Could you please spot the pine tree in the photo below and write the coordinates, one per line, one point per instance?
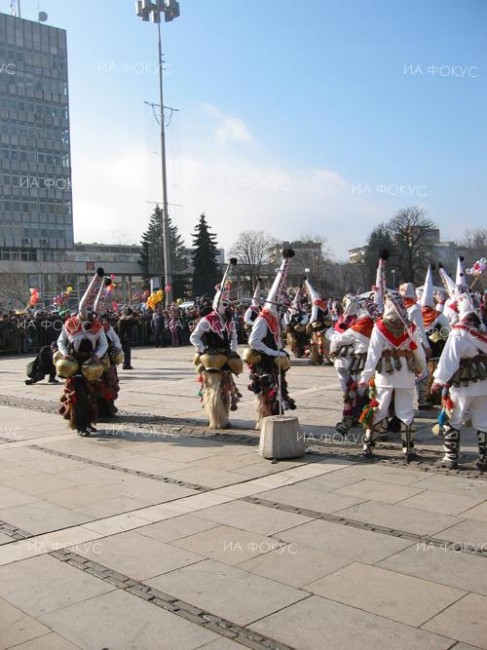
(206, 272)
(152, 255)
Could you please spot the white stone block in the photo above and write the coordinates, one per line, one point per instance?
(280, 437)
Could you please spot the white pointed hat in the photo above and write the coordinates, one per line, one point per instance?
(427, 298)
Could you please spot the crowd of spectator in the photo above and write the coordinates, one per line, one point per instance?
(29, 331)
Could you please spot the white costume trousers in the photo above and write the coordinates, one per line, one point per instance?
(403, 404)
(469, 403)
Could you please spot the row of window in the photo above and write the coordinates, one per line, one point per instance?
(32, 230)
(42, 207)
(23, 255)
(30, 82)
(20, 129)
(40, 156)
(38, 108)
(35, 35)
(23, 58)
(38, 182)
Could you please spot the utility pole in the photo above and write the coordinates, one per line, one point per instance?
(147, 10)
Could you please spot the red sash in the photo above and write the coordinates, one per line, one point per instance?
(396, 340)
(408, 302)
(74, 326)
(271, 321)
(472, 331)
(363, 326)
(216, 326)
(429, 315)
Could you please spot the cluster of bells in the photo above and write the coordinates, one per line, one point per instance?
(91, 371)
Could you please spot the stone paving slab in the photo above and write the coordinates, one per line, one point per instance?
(16, 627)
(317, 623)
(138, 556)
(401, 518)
(177, 528)
(446, 504)
(379, 491)
(119, 620)
(42, 584)
(345, 541)
(252, 517)
(47, 642)
(469, 532)
(465, 620)
(398, 597)
(442, 565)
(42, 517)
(227, 591)
(294, 565)
(228, 544)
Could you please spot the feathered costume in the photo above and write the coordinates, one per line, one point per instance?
(265, 357)
(215, 339)
(81, 345)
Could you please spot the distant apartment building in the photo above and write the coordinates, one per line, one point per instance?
(36, 214)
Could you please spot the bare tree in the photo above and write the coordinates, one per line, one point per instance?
(252, 250)
(14, 289)
(413, 236)
(475, 239)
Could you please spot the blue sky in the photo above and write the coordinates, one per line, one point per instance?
(312, 119)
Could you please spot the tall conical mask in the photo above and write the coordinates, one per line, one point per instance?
(256, 297)
(318, 305)
(222, 295)
(447, 282)
(88, 299)
(427, 298)
(273, 298)
(461, 285)
(380, 280)
(99, 304)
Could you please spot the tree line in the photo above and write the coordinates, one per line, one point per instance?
(409, 236)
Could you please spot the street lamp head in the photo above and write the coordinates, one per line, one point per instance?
(147, 10)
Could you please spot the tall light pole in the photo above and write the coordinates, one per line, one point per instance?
(147, 10)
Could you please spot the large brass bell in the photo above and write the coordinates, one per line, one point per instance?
(283, 363)
(92, 371)
(65, 368)
(235, 364)
(213, 362)
(251, 356)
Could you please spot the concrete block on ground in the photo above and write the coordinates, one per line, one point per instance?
(280, 437)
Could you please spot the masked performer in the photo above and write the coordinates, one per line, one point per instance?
(267, 361)
(341, 351)
(253, 311)
(356, 337)
(437, 329)
(108, 386)
(394, 359)
(320, 320)
(463, 369)
(215, 340)
(297, 319)
(81, 345)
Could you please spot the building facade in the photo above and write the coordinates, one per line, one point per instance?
(36, 215)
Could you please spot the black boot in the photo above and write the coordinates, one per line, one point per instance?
(451, 447)
(482, 459)
(369, 443)
(408, 444)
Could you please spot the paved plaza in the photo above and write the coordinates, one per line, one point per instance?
(156, 532)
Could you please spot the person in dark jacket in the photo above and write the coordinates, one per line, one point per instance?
(42, 365)
(125, 324)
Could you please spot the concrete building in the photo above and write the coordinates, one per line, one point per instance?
(36, 214)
